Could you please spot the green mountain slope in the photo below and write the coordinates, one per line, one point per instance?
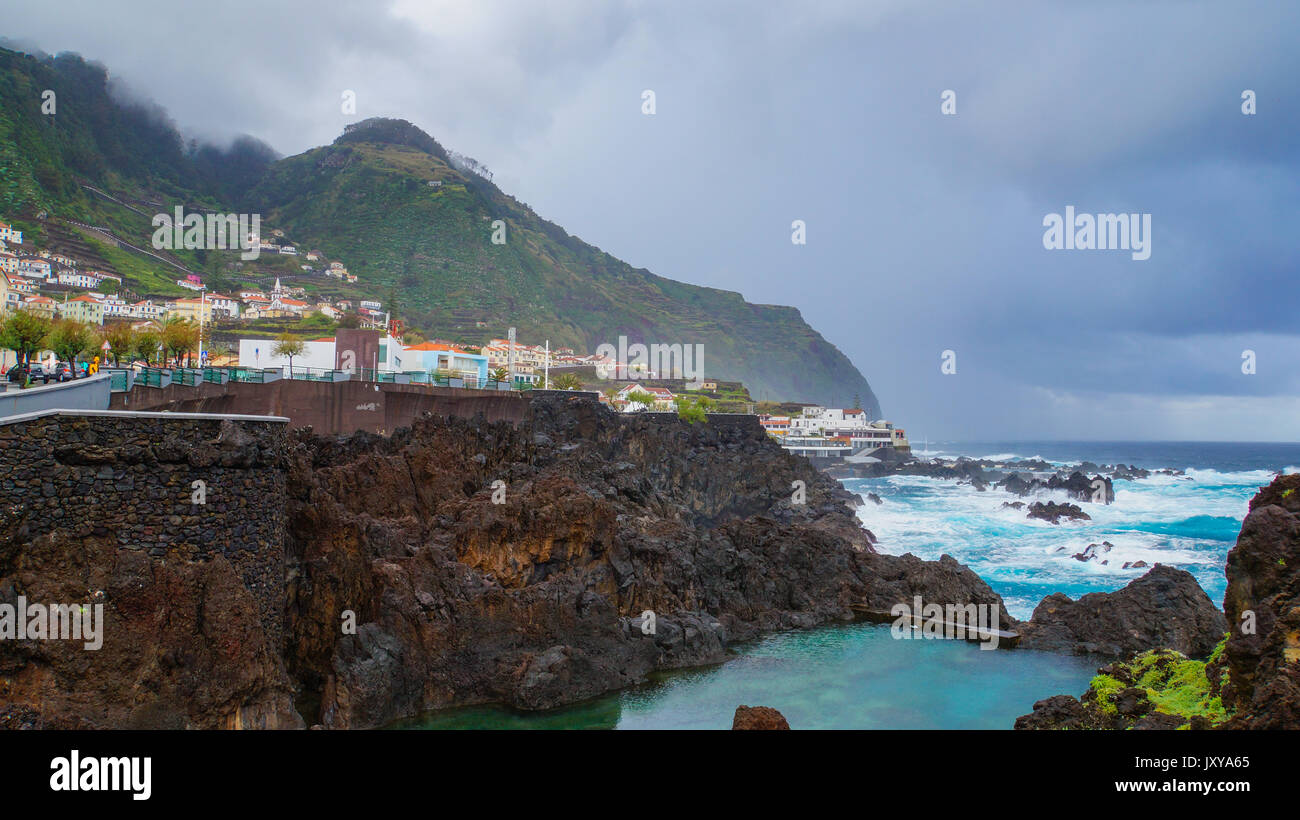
(425, 250)
(367, 199)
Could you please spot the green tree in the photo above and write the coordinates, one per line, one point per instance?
(288, 345)
(640, 396)
(566, 381)
(693, 409)
(120, 338)
(70, 338)
(180, 337)
(691, 412)
(24, 332)
(145, 344)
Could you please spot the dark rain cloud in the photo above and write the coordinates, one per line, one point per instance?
(924, 231)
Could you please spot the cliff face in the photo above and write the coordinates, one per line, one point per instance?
(1262, 604)
(537, 601)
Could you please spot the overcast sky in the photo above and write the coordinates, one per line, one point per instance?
(924, 230)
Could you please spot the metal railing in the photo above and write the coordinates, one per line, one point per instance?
(254, 375)
(155, 377)
(319, 374)
(124, 379)
(121, 379)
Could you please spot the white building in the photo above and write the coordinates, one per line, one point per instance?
(35, 267)
(817, 420)
(114, 306)
(317, 354)
(78, 280)
(147, 310)
(224, 305)
(834, 431)
(662, 399)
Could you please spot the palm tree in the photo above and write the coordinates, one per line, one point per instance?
(566, 381)
(219, 350)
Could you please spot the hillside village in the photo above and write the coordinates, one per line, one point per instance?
(57, 283)
(59, 286)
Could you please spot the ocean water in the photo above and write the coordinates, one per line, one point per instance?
(1186, 521)
(859, 677)
(844, 677)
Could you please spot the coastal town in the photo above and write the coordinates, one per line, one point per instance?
(63, 289)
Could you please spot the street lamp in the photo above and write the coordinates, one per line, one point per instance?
(203, 303)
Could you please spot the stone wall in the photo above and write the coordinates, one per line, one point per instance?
(135, 479)
(327, 407)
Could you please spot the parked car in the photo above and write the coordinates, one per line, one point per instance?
(63, 372)
(38, 373)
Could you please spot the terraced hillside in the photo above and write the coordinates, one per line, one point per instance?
(412, 220)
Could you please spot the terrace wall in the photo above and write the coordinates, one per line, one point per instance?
(328, 408)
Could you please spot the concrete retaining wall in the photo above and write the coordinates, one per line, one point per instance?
(328, 407)
(79, 394)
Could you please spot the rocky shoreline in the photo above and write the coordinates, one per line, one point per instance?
(1250, 678)
(455, 562)
(462, 562)
(537, 602)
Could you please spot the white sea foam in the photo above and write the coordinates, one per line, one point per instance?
(1008, 457)
(1188, 522)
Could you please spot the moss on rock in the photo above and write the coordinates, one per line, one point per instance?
(1157, 689)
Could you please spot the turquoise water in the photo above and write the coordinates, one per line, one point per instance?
(842, 677)
(859, 677)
